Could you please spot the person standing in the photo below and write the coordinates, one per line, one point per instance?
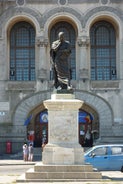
(25, 152)
(30, 149)
(59, 53)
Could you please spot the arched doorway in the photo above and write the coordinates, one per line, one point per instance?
(70, 35)
(96, 105)
(88, 125)
(41, 129)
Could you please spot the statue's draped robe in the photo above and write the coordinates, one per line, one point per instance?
(60, 52)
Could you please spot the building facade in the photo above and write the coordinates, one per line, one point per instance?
(95, 31)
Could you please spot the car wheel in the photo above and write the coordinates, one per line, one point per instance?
(122, 169)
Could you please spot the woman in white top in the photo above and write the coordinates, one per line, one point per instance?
(25, 152)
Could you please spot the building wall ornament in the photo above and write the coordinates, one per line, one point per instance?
(41, 41)
(20, 2)
(22, 10)
(41, 19)
(62, 2)
(61, 9)
(83, 41)
(104, 2)
(83, 74)
(42, 74)
(82, 18)
(108, 9)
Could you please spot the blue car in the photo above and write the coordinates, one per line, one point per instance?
(105, 157)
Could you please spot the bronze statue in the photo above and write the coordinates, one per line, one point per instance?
(60, 52)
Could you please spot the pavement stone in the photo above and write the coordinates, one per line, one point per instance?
(110, 177)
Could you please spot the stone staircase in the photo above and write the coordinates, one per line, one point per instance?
(60, 173)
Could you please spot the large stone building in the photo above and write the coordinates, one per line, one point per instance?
(95, 31)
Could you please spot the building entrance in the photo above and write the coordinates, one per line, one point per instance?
(85, 129)
(41, 129)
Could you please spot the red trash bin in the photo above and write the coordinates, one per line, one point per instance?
(9, 147)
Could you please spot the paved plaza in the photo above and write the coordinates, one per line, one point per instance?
(11, 169)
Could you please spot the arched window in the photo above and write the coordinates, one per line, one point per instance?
(22, 52)
(70, 36)
(103, 51)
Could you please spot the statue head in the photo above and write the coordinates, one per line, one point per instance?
(61, 36)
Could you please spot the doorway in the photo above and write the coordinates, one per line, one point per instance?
(41, 129)
(85, 129)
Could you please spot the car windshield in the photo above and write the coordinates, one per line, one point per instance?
(98, 150)
(88, 150)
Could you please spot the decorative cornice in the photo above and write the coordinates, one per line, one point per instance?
(82, 18)
(20, 86)
(105, 85)
(82, 1)
(56, 1)
(41, 19)
(42, 1)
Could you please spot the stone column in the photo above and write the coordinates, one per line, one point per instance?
(42, 43)
(120, 65)
(63, 146)
(83, 43)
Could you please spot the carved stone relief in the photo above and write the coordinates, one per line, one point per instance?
(20, 2)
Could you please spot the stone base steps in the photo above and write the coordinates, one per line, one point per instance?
(60, 173)
(39, 167)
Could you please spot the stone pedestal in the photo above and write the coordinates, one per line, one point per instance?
(62, 159)
(63, 147)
